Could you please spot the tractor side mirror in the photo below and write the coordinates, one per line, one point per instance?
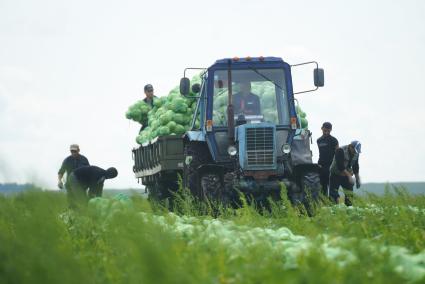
(184, 86)
(319, 77)
(196, 88)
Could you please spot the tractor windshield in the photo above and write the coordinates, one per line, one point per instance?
(259, 95)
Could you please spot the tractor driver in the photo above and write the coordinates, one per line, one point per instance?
(246, 102)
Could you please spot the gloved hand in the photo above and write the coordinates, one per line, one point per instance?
(60, 184)
(358, 183)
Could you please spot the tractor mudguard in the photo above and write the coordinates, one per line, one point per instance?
(194, 136)
(212, 168)
(303, 168)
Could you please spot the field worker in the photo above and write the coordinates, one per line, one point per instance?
(149, 94)
(327, 145)
(148, 89)
(87, 182)
(246, 102)
(344, 165)
(72, 162)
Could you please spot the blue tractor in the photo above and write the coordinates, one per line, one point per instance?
(246, 135)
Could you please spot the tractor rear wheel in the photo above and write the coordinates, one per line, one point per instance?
(211, 187)
(203, 184)
(196, 154)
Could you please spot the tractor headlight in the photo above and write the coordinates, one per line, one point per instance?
(286, 148)
(232, 150)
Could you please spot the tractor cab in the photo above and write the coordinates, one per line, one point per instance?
(258, 95)
(247, 115)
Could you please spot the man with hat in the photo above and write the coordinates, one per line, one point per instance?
(327, 145)
(344, 165)
(148, 100)
(72, 162)
(149, 94)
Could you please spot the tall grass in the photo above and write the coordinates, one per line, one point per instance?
(42, 241)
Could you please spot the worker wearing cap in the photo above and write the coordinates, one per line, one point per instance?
(87, 182)
(327, 145)
(148, 89)
(72, 162)
(149, 94)
(344, 165)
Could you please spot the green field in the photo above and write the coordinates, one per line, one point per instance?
(128, 240)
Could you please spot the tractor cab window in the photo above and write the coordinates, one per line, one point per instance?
(257, 96)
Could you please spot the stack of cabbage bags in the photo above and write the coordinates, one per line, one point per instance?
(170, 115)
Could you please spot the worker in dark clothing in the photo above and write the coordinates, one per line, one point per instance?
(148, 89)
(72, 162)
(245, 102)
(344, 165)
(327, 145)
(87, 182)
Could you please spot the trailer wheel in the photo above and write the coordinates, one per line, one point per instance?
(153, 194)
(162, 187)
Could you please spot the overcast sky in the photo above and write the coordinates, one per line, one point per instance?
(70, 69)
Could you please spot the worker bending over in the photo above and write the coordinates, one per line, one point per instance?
(344, 165)
(87, 182)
